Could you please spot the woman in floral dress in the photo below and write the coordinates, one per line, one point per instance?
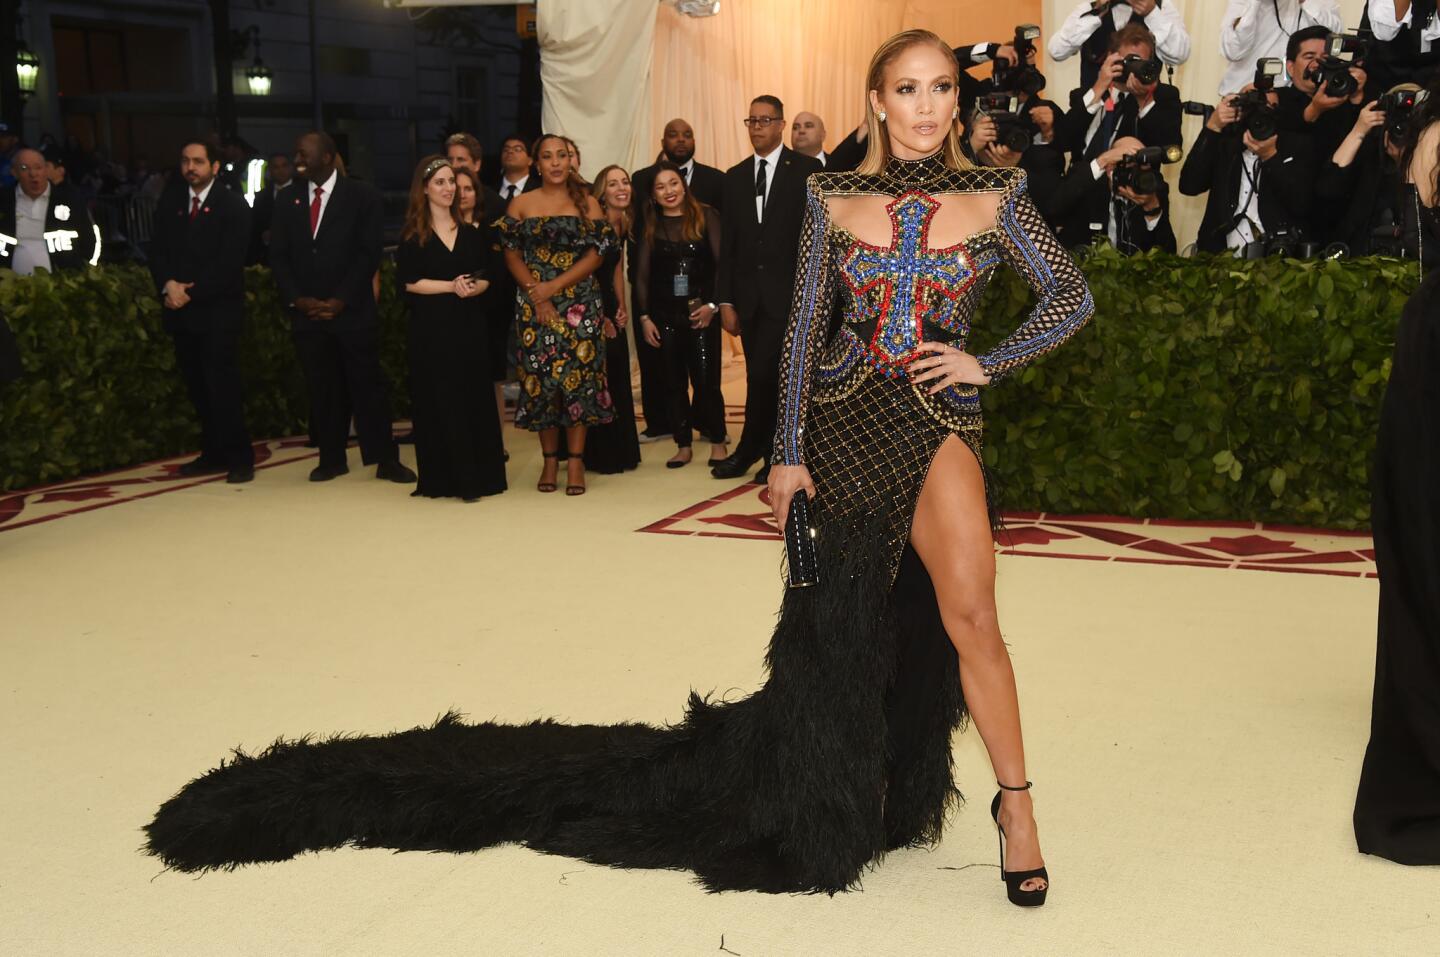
(555, 238)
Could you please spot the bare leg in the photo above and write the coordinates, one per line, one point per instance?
(951, 534)
(549, 445)
(575, 465)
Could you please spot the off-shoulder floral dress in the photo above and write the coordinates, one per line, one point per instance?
(562, 364)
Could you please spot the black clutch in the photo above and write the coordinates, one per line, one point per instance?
(802, 567)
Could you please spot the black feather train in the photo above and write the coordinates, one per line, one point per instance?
(843, 754)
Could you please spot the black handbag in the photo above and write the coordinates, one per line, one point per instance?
(802, 569)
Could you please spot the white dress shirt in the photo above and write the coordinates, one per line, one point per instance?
(823, 157)
(771, 160)
(1172, 43)
(1386, 26)
(1248, 229)
(1251, 32)
(506, 183)
(329, 190)
(204, 194)
(32, 252)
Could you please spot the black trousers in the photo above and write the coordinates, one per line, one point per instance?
(691, 359)
(653, 389)
(209, 363)
(762, 335)
(342, 371)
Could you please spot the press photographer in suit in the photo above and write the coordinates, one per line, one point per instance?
(760, 236)
(198, 263)
(325, 249)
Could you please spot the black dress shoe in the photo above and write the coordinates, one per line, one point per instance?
(241, 474)
(734, 465)
(395, 472)
(324, 473)
(762, 477)
(200, 467)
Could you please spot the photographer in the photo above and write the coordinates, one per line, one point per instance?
(1126, 99)
(1325, 92)
(1091, 25)
(1406, 32)
(1003, 131)
(1118, 194)
(1254, 29)
(1258, 174)
(1364, 178)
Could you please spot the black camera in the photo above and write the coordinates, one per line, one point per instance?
(1023, 77)
(1399, 107)
(1013, 130)
(1331, 72)
(1255, 114)
(1141, 170)
(1144, 69)
(1286, 241)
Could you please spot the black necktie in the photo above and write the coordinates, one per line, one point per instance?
(510, 192)
(685, 174)
(760, 183)
(1101, 142)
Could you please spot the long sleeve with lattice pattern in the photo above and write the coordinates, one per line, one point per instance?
(1064, 302)
(809, 325)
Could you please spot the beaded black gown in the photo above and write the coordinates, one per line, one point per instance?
(845, 752)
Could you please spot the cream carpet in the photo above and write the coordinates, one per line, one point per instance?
(1195, 734)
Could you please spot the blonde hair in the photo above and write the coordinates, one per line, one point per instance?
(597, 189)
(878, 152)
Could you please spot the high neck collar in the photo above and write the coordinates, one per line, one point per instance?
(923, 170)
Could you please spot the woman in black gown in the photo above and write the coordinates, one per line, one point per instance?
(614, 446)
(845, 752)
(677, 257)
(443, 266)
(1397, 809)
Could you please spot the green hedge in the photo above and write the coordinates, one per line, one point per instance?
(1206, 388)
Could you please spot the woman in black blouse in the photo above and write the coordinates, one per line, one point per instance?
(614, 447)
(676, 263)
(443, 267)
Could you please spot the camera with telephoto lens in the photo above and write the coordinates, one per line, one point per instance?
(1399, 105)
(1141, 170)
(1331, 72)
(1013, 130)
(1144, 69)
(1022, 77)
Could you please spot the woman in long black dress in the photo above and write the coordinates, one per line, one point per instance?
(678, 255)
(1397, 809)
(442, 266)
(845, 753)
(614, 446)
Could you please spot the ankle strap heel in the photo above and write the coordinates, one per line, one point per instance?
(1014, 879)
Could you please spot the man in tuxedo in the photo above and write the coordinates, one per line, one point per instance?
(1092, 23)
(1256, 187)
(279, 173)
(707, 183)
(807, 137)
(198, 263)
(516, 169)
(325, 247)
(759, 239)
(1116, 107)
(44, 225)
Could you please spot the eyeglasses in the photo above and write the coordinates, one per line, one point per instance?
(761, 121)
(513, 148)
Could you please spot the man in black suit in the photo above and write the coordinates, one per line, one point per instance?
(279, 173)
(708, 185)
(516, 168)
(463, 151)
(1119, 106)
(325, 247)
(1256, 187)
(44, 225)
(759, 238)
(198, 263)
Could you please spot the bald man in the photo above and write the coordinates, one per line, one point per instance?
(807, 136)
(708, 184)
(43, 226)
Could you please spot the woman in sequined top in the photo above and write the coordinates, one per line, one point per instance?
(883, 417)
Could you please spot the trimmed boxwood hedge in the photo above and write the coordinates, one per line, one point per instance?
(1206, 388)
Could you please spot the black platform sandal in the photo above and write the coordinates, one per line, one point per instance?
(1013, 880)
(547, 486)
